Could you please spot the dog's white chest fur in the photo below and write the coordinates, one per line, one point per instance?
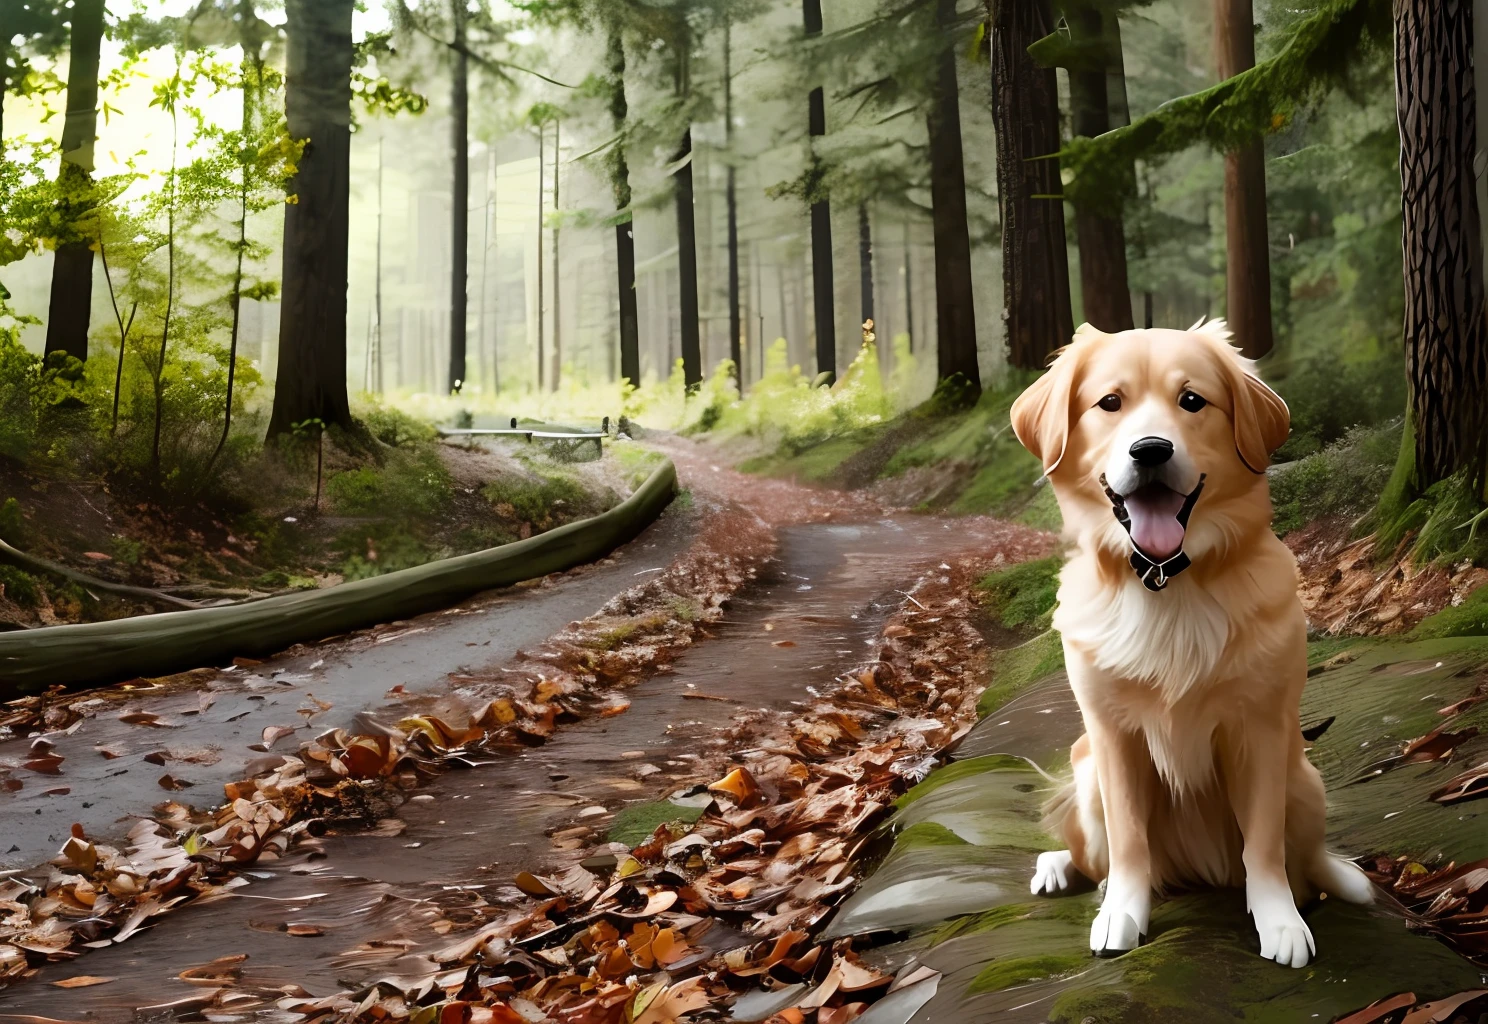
(1172, 640)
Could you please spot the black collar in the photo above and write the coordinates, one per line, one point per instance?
(1154, 574)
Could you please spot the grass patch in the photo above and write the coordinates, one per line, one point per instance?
(1018, 667)
(539, 500)
(412, 483)
(1001, 974)
(1022, 594)
(633, 825)
(959, 770)
(20, 587)
(927, 833)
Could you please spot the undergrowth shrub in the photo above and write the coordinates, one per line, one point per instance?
(1344, 478)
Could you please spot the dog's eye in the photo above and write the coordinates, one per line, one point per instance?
(1111, 403)
(1191, 402)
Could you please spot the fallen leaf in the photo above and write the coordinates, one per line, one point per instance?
(1440, 1010)
(51, 764)
(1471, 783)
(739, 785)
(1436, 745)
(168, 781)
(82, 981)
(1380, 1009)
(141, 718)
(304, 930)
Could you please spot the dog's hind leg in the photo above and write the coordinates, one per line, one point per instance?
(1074, 815)
(1316, 869)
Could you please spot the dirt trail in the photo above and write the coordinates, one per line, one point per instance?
(843, 565)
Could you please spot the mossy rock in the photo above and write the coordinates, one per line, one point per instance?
(964, 901)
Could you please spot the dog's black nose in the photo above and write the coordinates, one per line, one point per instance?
(1151, 451)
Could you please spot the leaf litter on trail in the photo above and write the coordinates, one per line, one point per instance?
(687, 919)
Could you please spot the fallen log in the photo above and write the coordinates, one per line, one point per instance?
(152, 645)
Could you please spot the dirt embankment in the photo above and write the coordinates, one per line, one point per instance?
(410, 505)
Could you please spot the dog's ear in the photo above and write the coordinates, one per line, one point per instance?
(1262, 420)
(1041, 414)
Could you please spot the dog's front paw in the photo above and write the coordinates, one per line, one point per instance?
(1284, 936)
(1051, 873)
(1113, 932)
(1122, 920)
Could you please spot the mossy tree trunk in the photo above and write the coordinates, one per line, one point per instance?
(955, 320)
(72, 269)
(1247, 245)
(1446, 339)
(1025, 112)
(311, 382)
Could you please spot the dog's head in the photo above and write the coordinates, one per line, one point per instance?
(1149, 414)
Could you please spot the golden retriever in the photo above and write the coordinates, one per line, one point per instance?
(1183, 636)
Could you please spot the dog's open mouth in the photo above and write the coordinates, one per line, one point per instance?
(1157, 526)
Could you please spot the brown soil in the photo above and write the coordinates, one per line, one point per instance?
(1346, 589)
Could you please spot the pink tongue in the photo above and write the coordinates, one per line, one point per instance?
(1154, 521)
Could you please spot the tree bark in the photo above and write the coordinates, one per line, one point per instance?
(687, 304)
(1104, 288)
(1025, 113)
(955, 320)
(540, 323)
(1247, 243)
(731, 202)
(908, 271)
(822, 295)
(459, 200)
(72, 269)
(630, 326)
(865, 261)
(311, 382)
(557, 268)
(1446, 343)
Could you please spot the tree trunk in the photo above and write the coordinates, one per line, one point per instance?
(311, 382)
(692, 348)
(865, 261)
(822, 296)
(557, 268)
(540, 323)
(1446, 343)
(1104, 288)
(1025, 113)
(731, 202)
(72, 269)
(1247, 244)
(630, 325)
(459, 200)
(908, 271)
(955, 320)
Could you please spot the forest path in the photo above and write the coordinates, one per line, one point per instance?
(841, 568)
